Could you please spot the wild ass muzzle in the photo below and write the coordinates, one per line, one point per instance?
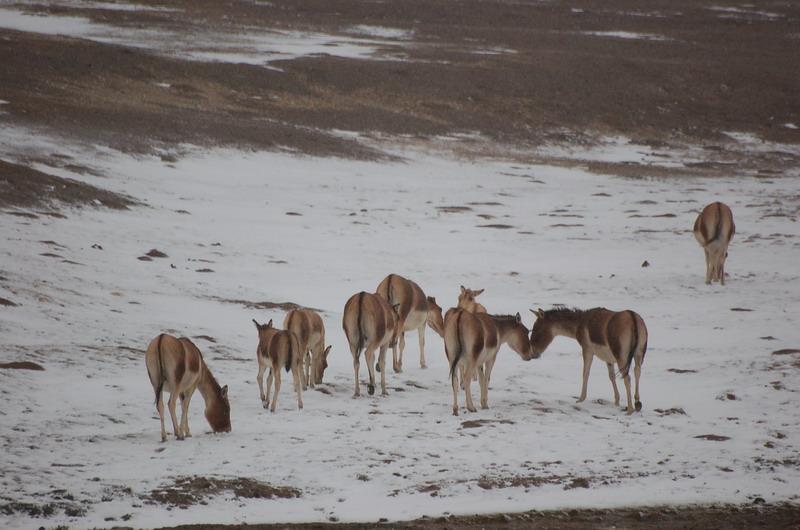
(415, 311)
(616, 338)
(310, 331)
(714, 230)
(466, 300)
(177, 366)
(370, 324)
(472, 341)
(278, 348)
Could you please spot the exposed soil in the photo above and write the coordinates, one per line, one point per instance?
(514, 74)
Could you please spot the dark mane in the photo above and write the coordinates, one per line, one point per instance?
(505, 317)
(564, 311)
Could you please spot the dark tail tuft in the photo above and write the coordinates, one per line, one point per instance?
(634, 343)
(459, 347)
(160, 386)
(291, 353)
(360, 342)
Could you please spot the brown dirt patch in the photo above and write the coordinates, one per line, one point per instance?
(21, 365)
(188, 491)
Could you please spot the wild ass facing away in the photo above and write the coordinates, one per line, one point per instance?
(472, 341)
(310, 331)
(714, 230)
(278, 348)
(177, 366)
(617, 338)
(370, 324)
(415, 311)
(466, 300)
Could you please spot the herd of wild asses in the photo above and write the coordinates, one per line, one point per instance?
(377, 321)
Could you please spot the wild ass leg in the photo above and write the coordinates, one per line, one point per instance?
(297, 375)
(421, 332)
(356, 366)
(369, 357)
(709, 265)
(173, 398)
(160, 408)
(270, 377)
(611, 376)
(276, 373)
(382, 363)
(305, 371)
(627, 380)
(483, 387)
(397, 353)
(470, 372)
(260, 379)
(587, 367)
(186, 398)
(637, 371)
(488, 377)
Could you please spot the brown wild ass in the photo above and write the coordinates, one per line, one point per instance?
(370, 324)
(177, 366)
(617, 338)
(472, 340)
(466, 300)
(714, 230)
(310, 331)
(415, 311)
(278, 348)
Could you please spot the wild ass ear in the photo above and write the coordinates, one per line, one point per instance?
(463, 290)
(327, 351)
(225, 392)
(269, 324)
(256, 323)
(518, 318)
(396, 308)
(476, 293)
(539, 313)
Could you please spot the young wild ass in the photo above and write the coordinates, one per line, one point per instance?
(472, 340)
(177, 366)
(310, 331)
(714, 230)
(617, 338)
(370, 324)
(278, 348)
(466, 300)
(415, 311)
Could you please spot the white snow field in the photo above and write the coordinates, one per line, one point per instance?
(719, 422)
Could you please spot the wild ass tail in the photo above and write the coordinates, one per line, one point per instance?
(160, 375)
(459, 347)
(291, 352)
(634, 343)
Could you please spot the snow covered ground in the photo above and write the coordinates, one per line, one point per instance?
(719, 422)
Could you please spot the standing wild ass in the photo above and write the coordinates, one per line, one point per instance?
(714, 230)
(472, 340)
(614, 337)
(466, 300)
(310, 331)
(177, 366)
(278, 348)
(370, 324)
(415, 311)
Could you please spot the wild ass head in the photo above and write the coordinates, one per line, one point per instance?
(321, 365)
(542, 333)
(434, 318)
(218, 410)
(517, 339)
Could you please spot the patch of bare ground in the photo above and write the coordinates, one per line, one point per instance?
(24, 187)
(282, 306)
(757, 515)
(185, 492)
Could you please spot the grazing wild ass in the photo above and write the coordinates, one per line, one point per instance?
(617, 338)
(415, 311)
(278, 348)
(370, 324)
(310, 331)
(472, 340)
(466, 300)
(177, 366)
(714, 230)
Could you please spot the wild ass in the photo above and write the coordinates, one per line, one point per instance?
(617, 338)
(370, 324)
(278, 348)
(714, 230)
(472, 341)
(177, 366)
(310, 331)
(415, 311)
(466, 300)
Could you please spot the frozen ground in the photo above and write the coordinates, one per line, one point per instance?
(81, 441)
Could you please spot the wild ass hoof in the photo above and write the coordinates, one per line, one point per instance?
(371, 389)
(455, 412)
(265, 404)
(300, 406)
(472, 409)
(638, 406)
